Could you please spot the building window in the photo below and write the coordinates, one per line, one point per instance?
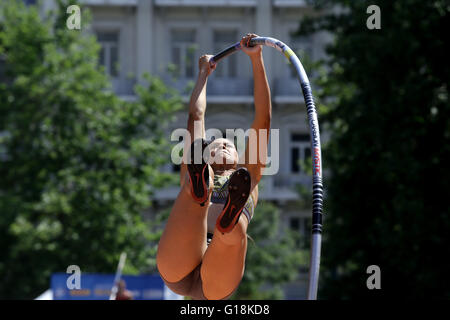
(294, 223)
(302, 227)
(300, 151)
(223, 39)
(30, 2)
(300, 224)
(303, 48)
(109, 52)
(183, 50)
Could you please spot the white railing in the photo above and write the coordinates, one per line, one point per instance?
(216, 86)
(123, 86)
(109, 2)
(289, 3)
(208, 3)
(286, 86)
(277, 187)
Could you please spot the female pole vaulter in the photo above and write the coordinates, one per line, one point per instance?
(213, 196)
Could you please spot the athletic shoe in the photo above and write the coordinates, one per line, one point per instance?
(238, 192)
(199, 174)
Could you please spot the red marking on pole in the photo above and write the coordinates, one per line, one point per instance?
(317, 161)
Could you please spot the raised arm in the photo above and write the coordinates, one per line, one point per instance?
(197, 107)
(263, 113)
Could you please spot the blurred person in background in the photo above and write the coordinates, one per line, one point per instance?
(122, 292)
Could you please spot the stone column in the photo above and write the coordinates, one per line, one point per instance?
(264, 28)
(144, 38)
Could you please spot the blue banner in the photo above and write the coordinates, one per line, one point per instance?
(98, 287)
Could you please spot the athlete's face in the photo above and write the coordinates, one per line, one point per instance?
(223, 151)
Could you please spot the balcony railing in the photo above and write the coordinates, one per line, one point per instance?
(289, 3)
(226, 90)
(286, 86)
(231, 86)
(109, 2)
(216, 86)
(207, 3)
(123, 86)
(278, 187)
(291, 181)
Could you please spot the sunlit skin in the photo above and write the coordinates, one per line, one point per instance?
(223, 156)
(183, 245)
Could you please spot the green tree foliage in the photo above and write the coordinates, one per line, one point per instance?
(77, 164)
(273, 257)
(385, 102)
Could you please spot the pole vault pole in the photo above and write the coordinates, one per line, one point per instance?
(317, 200)
(123, 257)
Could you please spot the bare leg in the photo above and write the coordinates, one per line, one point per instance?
(224, 261)
(183, 242)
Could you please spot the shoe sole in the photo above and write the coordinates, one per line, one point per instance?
(198, 175)
(238, 193)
